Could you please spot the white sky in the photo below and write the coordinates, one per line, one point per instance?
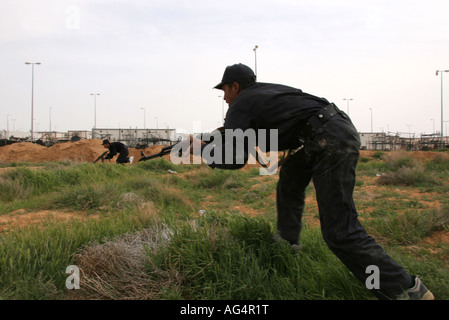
(166, 55)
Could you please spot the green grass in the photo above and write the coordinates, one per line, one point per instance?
(411, 226)
(221, 253)
(234, 257)
(403, 169)
(33, 261)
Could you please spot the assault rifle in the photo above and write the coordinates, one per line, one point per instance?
(163, 152)
(167, 150)
(101, 157)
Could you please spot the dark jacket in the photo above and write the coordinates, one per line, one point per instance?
(117, 147)
(270, 106)
(273, 106)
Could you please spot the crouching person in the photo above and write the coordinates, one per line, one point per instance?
(120, 148)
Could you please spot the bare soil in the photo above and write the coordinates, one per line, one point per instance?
(20, 218)
(79, 151)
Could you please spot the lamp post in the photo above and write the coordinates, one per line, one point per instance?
(446, 129)
(95, 112)
(348, 103)
(32, 97)
(255, 59)
(371, 109)
(49, 119)
(438, 72)
(7, 127)
(433, 120)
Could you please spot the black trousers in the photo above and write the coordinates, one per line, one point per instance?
(123, 156)
(330, 159)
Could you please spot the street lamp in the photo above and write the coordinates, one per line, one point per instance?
(348, 103)
(95, 112)
(49, 118)
(32, 96)
(437, 72)
(7, 127)
(371, 109)
(255, 59)
(446, 129)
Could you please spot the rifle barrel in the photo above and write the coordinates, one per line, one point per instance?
(163, 152)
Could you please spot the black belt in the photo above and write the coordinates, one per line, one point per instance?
(314, 123)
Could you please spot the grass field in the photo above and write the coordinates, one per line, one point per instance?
(155, 230)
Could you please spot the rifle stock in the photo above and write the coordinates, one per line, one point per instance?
(101, 157)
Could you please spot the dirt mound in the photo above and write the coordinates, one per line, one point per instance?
(79, 151)
(89, 150)
(23, 151)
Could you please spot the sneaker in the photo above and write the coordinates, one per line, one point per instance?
(418, 292)
(131, 159)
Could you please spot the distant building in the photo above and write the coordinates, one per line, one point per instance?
(367, 138)
(401, 141)
(139, 138)
(136, 137)
(13, 133)
(49, 138)
(79, 134)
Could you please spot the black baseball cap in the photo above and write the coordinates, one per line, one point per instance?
(240, 73)
(105, 141)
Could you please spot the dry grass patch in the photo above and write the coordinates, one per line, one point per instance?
(118, 269)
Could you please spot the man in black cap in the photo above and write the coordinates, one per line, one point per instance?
(325, 147)
(117, 147)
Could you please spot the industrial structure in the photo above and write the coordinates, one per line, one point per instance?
(134, 138)
(402, 141)
(137, 138)
(141, 138)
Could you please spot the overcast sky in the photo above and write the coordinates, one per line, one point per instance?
(166, 55)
